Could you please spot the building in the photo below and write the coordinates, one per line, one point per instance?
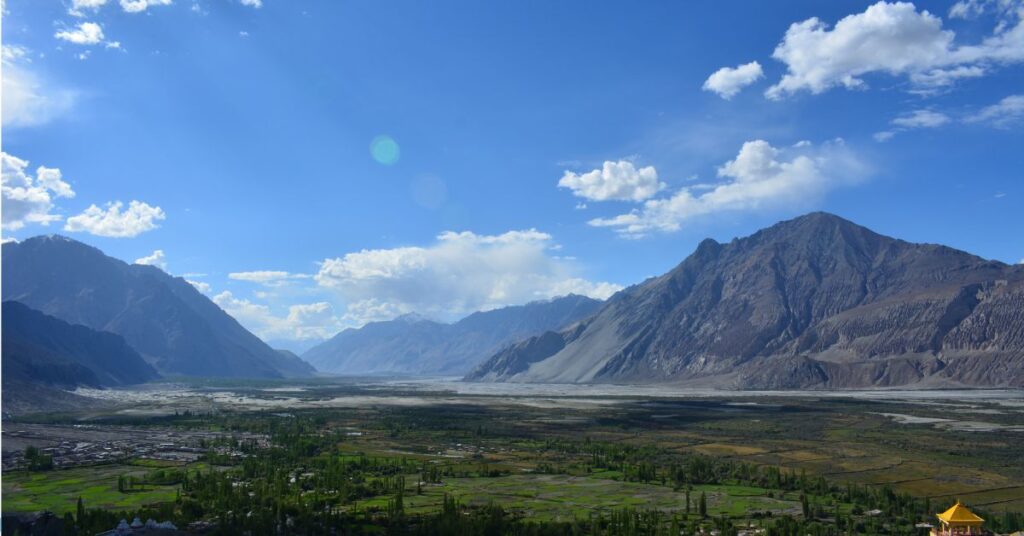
(958, 521)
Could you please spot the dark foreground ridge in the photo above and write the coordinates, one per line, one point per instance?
(165, 319)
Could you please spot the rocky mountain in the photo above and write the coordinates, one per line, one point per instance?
(414, 345)
(173, 326)
(41, 349)
(814, 302)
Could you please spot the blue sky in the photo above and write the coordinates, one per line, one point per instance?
(542, 147)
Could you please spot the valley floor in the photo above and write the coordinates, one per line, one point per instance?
(349, 449)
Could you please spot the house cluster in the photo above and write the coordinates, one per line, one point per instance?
(74, 446)
(138, 528)
(68, 453)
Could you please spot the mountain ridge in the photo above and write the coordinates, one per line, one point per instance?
(38, 348)
(816, 301)
(412, 344)
(171, 324)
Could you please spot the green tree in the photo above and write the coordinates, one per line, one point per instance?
(703, 507)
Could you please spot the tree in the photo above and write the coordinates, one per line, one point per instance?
(703, 507)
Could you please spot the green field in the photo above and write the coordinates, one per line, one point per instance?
(823, 462)
(58, 491)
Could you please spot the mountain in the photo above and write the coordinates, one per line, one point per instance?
(171, 324)
(42, 349)
(411, 344)
(814, 302)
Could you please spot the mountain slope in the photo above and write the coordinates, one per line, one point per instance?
(42, 349)
(173, 326)
(413, 345)
(812, 302)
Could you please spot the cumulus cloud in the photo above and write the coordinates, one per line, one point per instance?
(138, 6)
(913, 120)
(79, 8)
(27, 198)
(1003, 114)
(760, 177)
(728, 81)
(87, 33)
(373, 310)
(921, 119)
(270, 278)
(28, 100)
(302, 322)
(252, 3)
(157, 258)
(614, 181)
(113, 222)
(201, 286)
(458, 274)
(890, 38)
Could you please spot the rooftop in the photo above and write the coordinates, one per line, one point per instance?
(959, 513)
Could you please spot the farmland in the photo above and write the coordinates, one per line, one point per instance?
(349, 453)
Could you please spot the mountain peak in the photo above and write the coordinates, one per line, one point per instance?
(165, 319)
(815, 301)
(412, 318)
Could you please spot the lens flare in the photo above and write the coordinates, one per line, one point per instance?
(384, 149)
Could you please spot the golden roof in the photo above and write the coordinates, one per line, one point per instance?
(959, 513)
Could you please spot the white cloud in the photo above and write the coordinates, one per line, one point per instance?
(138, 6)
(252, 3)
(930, 81)
(79, 7)
(112, 222)
(157, 258)
(27, 100)
(302, 322)
(14, 54)
(728, 81)
(760, 177)
(913, 120)
(270, 278)
(921, 119)
(201, 286)
(884, 135)
(891, 38)
(614, 181)
(373, 310)
(87, 33)
(1005, 113)
(458, 274)
(28, 199)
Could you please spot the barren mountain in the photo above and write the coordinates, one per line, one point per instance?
(171, 324)
(814, 302)
(413, 345)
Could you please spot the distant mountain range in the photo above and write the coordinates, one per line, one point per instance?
(414, 345)
(814, 302)
(174, 327)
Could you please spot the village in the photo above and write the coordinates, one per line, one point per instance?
(82, 444)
